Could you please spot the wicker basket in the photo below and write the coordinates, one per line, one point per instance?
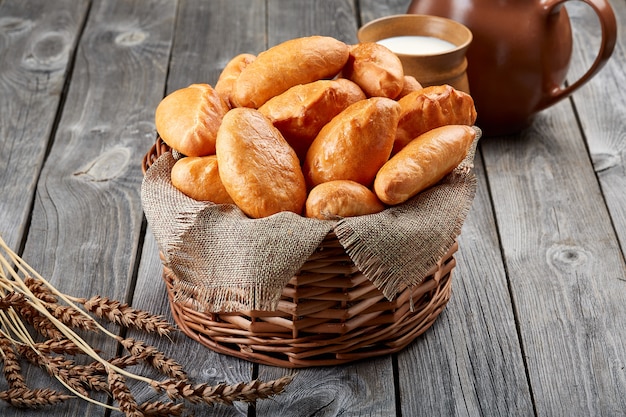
(329, 313)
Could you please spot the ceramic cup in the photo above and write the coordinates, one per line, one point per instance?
(447, 66)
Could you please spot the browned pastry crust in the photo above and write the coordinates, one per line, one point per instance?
(376, 69)
(258, 168)
(301, 112)
(188, 119)
(293, 62)
(341, 198)
(230, 73)
(410, 85)
(423, 163)
(432, 107)
(355, 144)
(198, 177)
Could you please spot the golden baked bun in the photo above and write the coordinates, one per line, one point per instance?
(423, 162)
(293, 62)
(432, 107)
(230, 73)
(410, 85)
(301, 112)
(354, 144)
(258, 168)
(198, 177)
(188, 119)
(341, 198)
(376, 69)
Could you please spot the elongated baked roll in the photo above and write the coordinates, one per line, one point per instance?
(301, 112)
(188, 119)
(432, 107)
(293, 62)
(230, 73)
(355, 144)
(423, 163)
(198, 177)
(258, 168)
(341, 198)
(376, 69)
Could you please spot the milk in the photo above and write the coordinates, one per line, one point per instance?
(416, 45)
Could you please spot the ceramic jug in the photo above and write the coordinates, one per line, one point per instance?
(520, 54)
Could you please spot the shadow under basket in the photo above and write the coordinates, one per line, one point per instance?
(329, 312)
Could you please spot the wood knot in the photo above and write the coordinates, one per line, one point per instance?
(45, 52)
(204, 373)
(12, 26)
(107, 166)
(567, 256)
(130, 38)
(604, 161)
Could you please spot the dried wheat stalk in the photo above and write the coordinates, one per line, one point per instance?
(126, 316)
(28, 303)
(35, 398)
(12, 368)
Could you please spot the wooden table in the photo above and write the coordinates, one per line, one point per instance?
(535, 325)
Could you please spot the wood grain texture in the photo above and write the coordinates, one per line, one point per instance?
(288, 20)
(373, 9)
(36, 45)
(602, 114)
(87, 215)
(361, 389)
(88, 205)
(473, 348)
(209, 34)
(566, 272)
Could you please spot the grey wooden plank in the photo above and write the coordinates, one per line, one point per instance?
(87, 215)
(361, 389)
(602, 108)
(36, 44)
(371, 9)
(209, 34)
(38, 41)
(472, 349)
(566, 271)
(289, 19)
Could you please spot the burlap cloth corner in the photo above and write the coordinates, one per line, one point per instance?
(225, 261)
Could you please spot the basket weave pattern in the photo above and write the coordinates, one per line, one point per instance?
(329, 312)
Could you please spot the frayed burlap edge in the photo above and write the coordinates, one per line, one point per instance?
(397, 247)
(225, 261)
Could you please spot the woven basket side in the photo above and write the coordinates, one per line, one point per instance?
(321, 326)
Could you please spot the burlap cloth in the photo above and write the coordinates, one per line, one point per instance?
(226, 261)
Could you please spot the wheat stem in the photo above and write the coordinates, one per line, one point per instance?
(34, 301)
(69, 333)
(27, 270)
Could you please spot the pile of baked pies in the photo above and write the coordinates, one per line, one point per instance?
(317, 127)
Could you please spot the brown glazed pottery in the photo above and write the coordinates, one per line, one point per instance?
(520, 54)
(448, 67)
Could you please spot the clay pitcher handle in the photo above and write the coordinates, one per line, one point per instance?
(608, 25)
